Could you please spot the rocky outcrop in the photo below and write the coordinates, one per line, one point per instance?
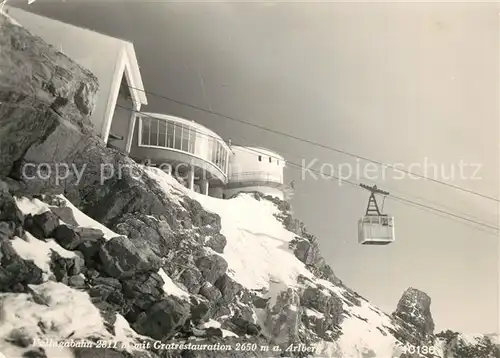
(163, 318)
(283, 316)
(38, 88)
(49, 101)
(308, 252)
(479, 346)
(217, 243)
(9, 212)
(120, 258)
(64, 268)
(414, 307)
(74, 237)
(65, 214)
(212, 267)
(210, 292)
(42, 225)
(229, 288)
(136, 227)
(15, 273)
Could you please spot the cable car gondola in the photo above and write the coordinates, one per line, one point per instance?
(375, 228)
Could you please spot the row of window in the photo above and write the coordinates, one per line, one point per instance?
(169, 134)
(218, 154)
(270, 160)
(161, 133)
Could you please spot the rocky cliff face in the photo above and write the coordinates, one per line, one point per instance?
(414, 308)
(117, 258)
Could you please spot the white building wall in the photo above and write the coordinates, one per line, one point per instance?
(249, 164)
(93, 51)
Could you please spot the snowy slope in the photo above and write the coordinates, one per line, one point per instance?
(67, 312)
(257, 250)
(256, 240)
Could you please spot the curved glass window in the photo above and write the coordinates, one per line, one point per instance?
(164, 133)
(177, 136)
(170, 135)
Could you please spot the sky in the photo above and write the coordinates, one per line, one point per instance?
(399, 83)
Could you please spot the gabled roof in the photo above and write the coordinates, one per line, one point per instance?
(136, 78)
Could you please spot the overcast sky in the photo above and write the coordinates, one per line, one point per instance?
(398, 83)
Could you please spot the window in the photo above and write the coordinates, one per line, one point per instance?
(217, 154)
(260, 158)
(223, 164)
(270, 160)
(153, 138)
(277, 162)
(210, 149)
(170, 134)
(214, 151)
(146, 123)
(162, 133)
(192, 140)
(221, 154)
(185, 138)
(177, 136)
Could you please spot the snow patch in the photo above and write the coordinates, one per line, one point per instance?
(170, 288)
(214, 324)
(226, 333)
(167, 183)
(275, 289)
(126, 335)
(31, 206)
(39, 251)
(256, 241)
(68, 312)
(211, 324)
(313, 313)
(85, 221)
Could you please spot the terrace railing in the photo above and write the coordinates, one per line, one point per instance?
(257, 176)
